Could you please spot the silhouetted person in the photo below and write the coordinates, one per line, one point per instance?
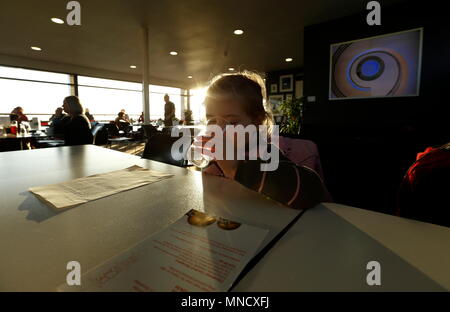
(77, 128)
(141, 118)
(18, 114)
(121, 122)
(125, 115)
(169, 111)
(57, 121)
(88, 115)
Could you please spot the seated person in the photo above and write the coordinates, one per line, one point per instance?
(121, 122)
(13, 117)
(423, 193)
(56, 121)
(88, 115)
(125, 115)
(77, 129)
(19, 115)
(239, 99)
(21, 121)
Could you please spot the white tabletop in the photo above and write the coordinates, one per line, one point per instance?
(329, 247)
(37, 243)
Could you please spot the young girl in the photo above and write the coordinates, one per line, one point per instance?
(239, 100)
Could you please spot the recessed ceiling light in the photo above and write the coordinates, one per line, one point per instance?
(133, 66)
(189, 77)
(238, 32)
(57, 20)
(289, 59)
(173, 53)
(231, 69)
(36, 49)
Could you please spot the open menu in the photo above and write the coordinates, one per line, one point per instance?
(199, 252)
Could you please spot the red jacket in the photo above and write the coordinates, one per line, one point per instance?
(423, 194)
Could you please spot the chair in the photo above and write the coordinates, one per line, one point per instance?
(159, 148)
(112, 129)
(124, 126)
(50, 143)
(100, 134)
(149, 130)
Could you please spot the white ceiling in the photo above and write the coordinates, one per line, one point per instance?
(201, 31)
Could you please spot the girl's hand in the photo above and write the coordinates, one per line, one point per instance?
(227, 167)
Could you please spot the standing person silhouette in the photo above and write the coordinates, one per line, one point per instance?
(169, 111)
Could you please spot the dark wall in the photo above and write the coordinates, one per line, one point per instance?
(366, 145)
(273, 77)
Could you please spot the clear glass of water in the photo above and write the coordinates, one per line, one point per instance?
(199, 154)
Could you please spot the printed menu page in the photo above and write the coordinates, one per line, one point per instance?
(199, 252)
(82, 190)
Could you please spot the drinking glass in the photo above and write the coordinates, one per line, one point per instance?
(199, 154)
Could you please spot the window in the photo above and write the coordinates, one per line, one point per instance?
(39, 93)
(28, 74)
(197, 103)
(106, 97)
(109, 83)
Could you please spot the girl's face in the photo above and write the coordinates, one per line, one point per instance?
(228, 112)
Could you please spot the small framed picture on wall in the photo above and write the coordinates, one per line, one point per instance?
(273, 88)
(287, 83)
(298, 89)
(275, 101)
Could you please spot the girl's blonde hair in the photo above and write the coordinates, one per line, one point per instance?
(247, 88)
(74, 104)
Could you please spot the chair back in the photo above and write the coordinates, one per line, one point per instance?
(100, 134)
(124, 126)
(159, 148)
(95, 129)
(149, 131)
(112, 129)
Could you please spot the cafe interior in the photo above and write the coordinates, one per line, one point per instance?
(355, 89)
